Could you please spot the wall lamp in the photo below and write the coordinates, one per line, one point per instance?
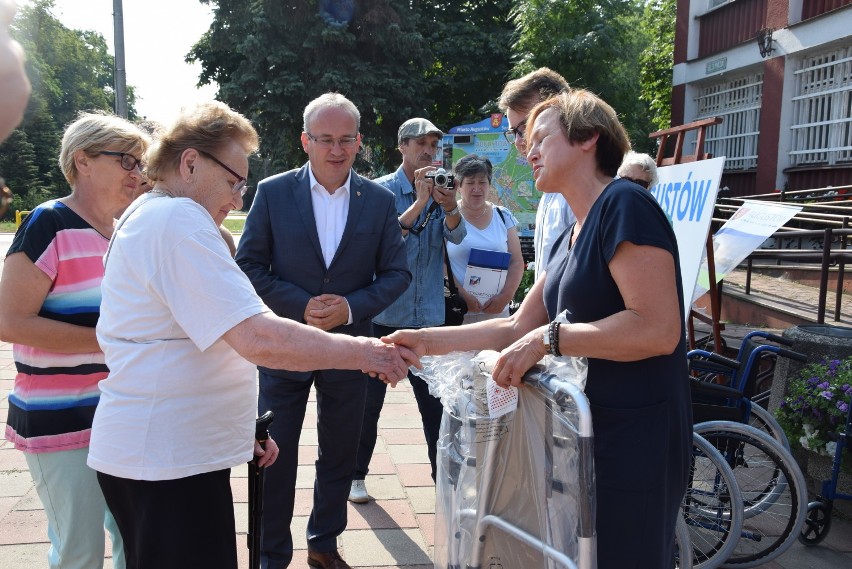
(764, 41)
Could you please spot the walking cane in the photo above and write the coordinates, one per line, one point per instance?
(255, 489)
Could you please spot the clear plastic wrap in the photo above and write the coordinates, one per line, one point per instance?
(514, 491)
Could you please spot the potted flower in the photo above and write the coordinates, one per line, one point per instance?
(816, 407)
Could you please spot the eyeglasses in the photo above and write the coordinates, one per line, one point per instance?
(345, 142)
(643, 183)
(517, 132)
(239, 187)
(128, 161)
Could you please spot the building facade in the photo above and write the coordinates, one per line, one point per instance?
(779, 73)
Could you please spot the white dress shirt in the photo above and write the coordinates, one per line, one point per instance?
(330, 213)
(552, 217)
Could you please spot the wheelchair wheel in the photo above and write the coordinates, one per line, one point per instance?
(683, 557)
(817, 523)
(762, 420)
(712, 507)
(772, 486)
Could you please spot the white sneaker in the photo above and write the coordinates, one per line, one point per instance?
(358, 492)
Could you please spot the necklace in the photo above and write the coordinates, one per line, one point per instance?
(161, 192)
(482, 212)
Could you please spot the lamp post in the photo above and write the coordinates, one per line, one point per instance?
(120, 73)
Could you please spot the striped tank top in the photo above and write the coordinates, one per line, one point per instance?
(54, 395)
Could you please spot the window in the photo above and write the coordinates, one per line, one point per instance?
(822, 109)
(737, 101)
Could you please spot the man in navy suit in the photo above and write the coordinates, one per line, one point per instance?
(321, 245)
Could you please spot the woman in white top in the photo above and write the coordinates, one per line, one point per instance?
(181, 327)
(490, 228)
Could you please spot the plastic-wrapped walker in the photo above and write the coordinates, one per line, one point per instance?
(514, 491)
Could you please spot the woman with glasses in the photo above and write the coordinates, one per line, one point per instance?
(181, 326)
(489, 228)
(49, 305)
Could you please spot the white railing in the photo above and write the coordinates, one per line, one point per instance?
(821, 133)
(737, 101)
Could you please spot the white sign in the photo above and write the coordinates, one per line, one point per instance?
(744, 232)
(687, 194)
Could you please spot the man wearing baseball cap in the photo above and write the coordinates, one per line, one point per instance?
(428, 214)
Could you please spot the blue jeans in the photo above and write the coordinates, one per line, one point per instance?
(430, 413)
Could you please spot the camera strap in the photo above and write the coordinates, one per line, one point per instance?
(417, 229)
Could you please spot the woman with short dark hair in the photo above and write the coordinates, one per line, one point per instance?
(490, 228)
(615, 276)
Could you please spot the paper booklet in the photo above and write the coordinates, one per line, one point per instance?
(486, 273)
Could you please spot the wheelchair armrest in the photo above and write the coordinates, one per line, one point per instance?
(726, 363)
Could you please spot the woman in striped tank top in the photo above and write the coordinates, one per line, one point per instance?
(49, 305)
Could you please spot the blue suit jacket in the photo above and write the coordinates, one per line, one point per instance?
(281, 254)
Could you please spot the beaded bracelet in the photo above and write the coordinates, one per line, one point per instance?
(553, 332)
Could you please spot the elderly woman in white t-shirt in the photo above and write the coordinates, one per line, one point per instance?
(181, 328)
(489, 228)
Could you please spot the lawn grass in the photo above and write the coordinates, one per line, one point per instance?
(234, 223)
(7, 227)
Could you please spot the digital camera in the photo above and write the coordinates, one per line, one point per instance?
(441, 178)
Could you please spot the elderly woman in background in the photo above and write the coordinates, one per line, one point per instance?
(49, 304)
(615, 275)
(640, 169)
(490, 228)
(181, 328)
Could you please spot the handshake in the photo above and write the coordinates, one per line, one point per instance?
(388, 361)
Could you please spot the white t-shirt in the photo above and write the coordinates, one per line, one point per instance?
(492, 238)
(552, 218)
(178, 401)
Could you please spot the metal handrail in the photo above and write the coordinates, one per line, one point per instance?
(825, 258)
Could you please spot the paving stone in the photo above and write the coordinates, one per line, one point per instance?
(401, 422)
(11, 459)
(15, 483)
(400, 410)
(28, 526)
(384, 487)
(308, 437)
(28, 555)
(30, 501)
(422, 499)
(384, 514)
(7, 504)
(427, 528)
(381, 464)
(399, 547)
(393, 436)
(307, 454)
(399, 395)
(415, 474)
(409, 454)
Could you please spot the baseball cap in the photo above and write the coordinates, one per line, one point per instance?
(415, 128)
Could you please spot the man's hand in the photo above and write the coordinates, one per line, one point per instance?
(327, 311)
(268, 456)
(422, 185)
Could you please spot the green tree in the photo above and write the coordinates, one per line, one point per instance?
(394, 59)
(270, 58)
(471, 46)
(70, 71)
(595, 45)
(18, 163)
(657, 60)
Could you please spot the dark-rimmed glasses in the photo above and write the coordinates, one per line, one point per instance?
(128, 161)
(240, 186)
(345, 142)
(517, 132)
(643, 183)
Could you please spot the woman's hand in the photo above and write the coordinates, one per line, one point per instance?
(496, 304)
(473, 304)
(519, 357)
(269, 455)
(410, 339)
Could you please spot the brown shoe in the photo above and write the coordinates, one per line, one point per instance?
(328, 560)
